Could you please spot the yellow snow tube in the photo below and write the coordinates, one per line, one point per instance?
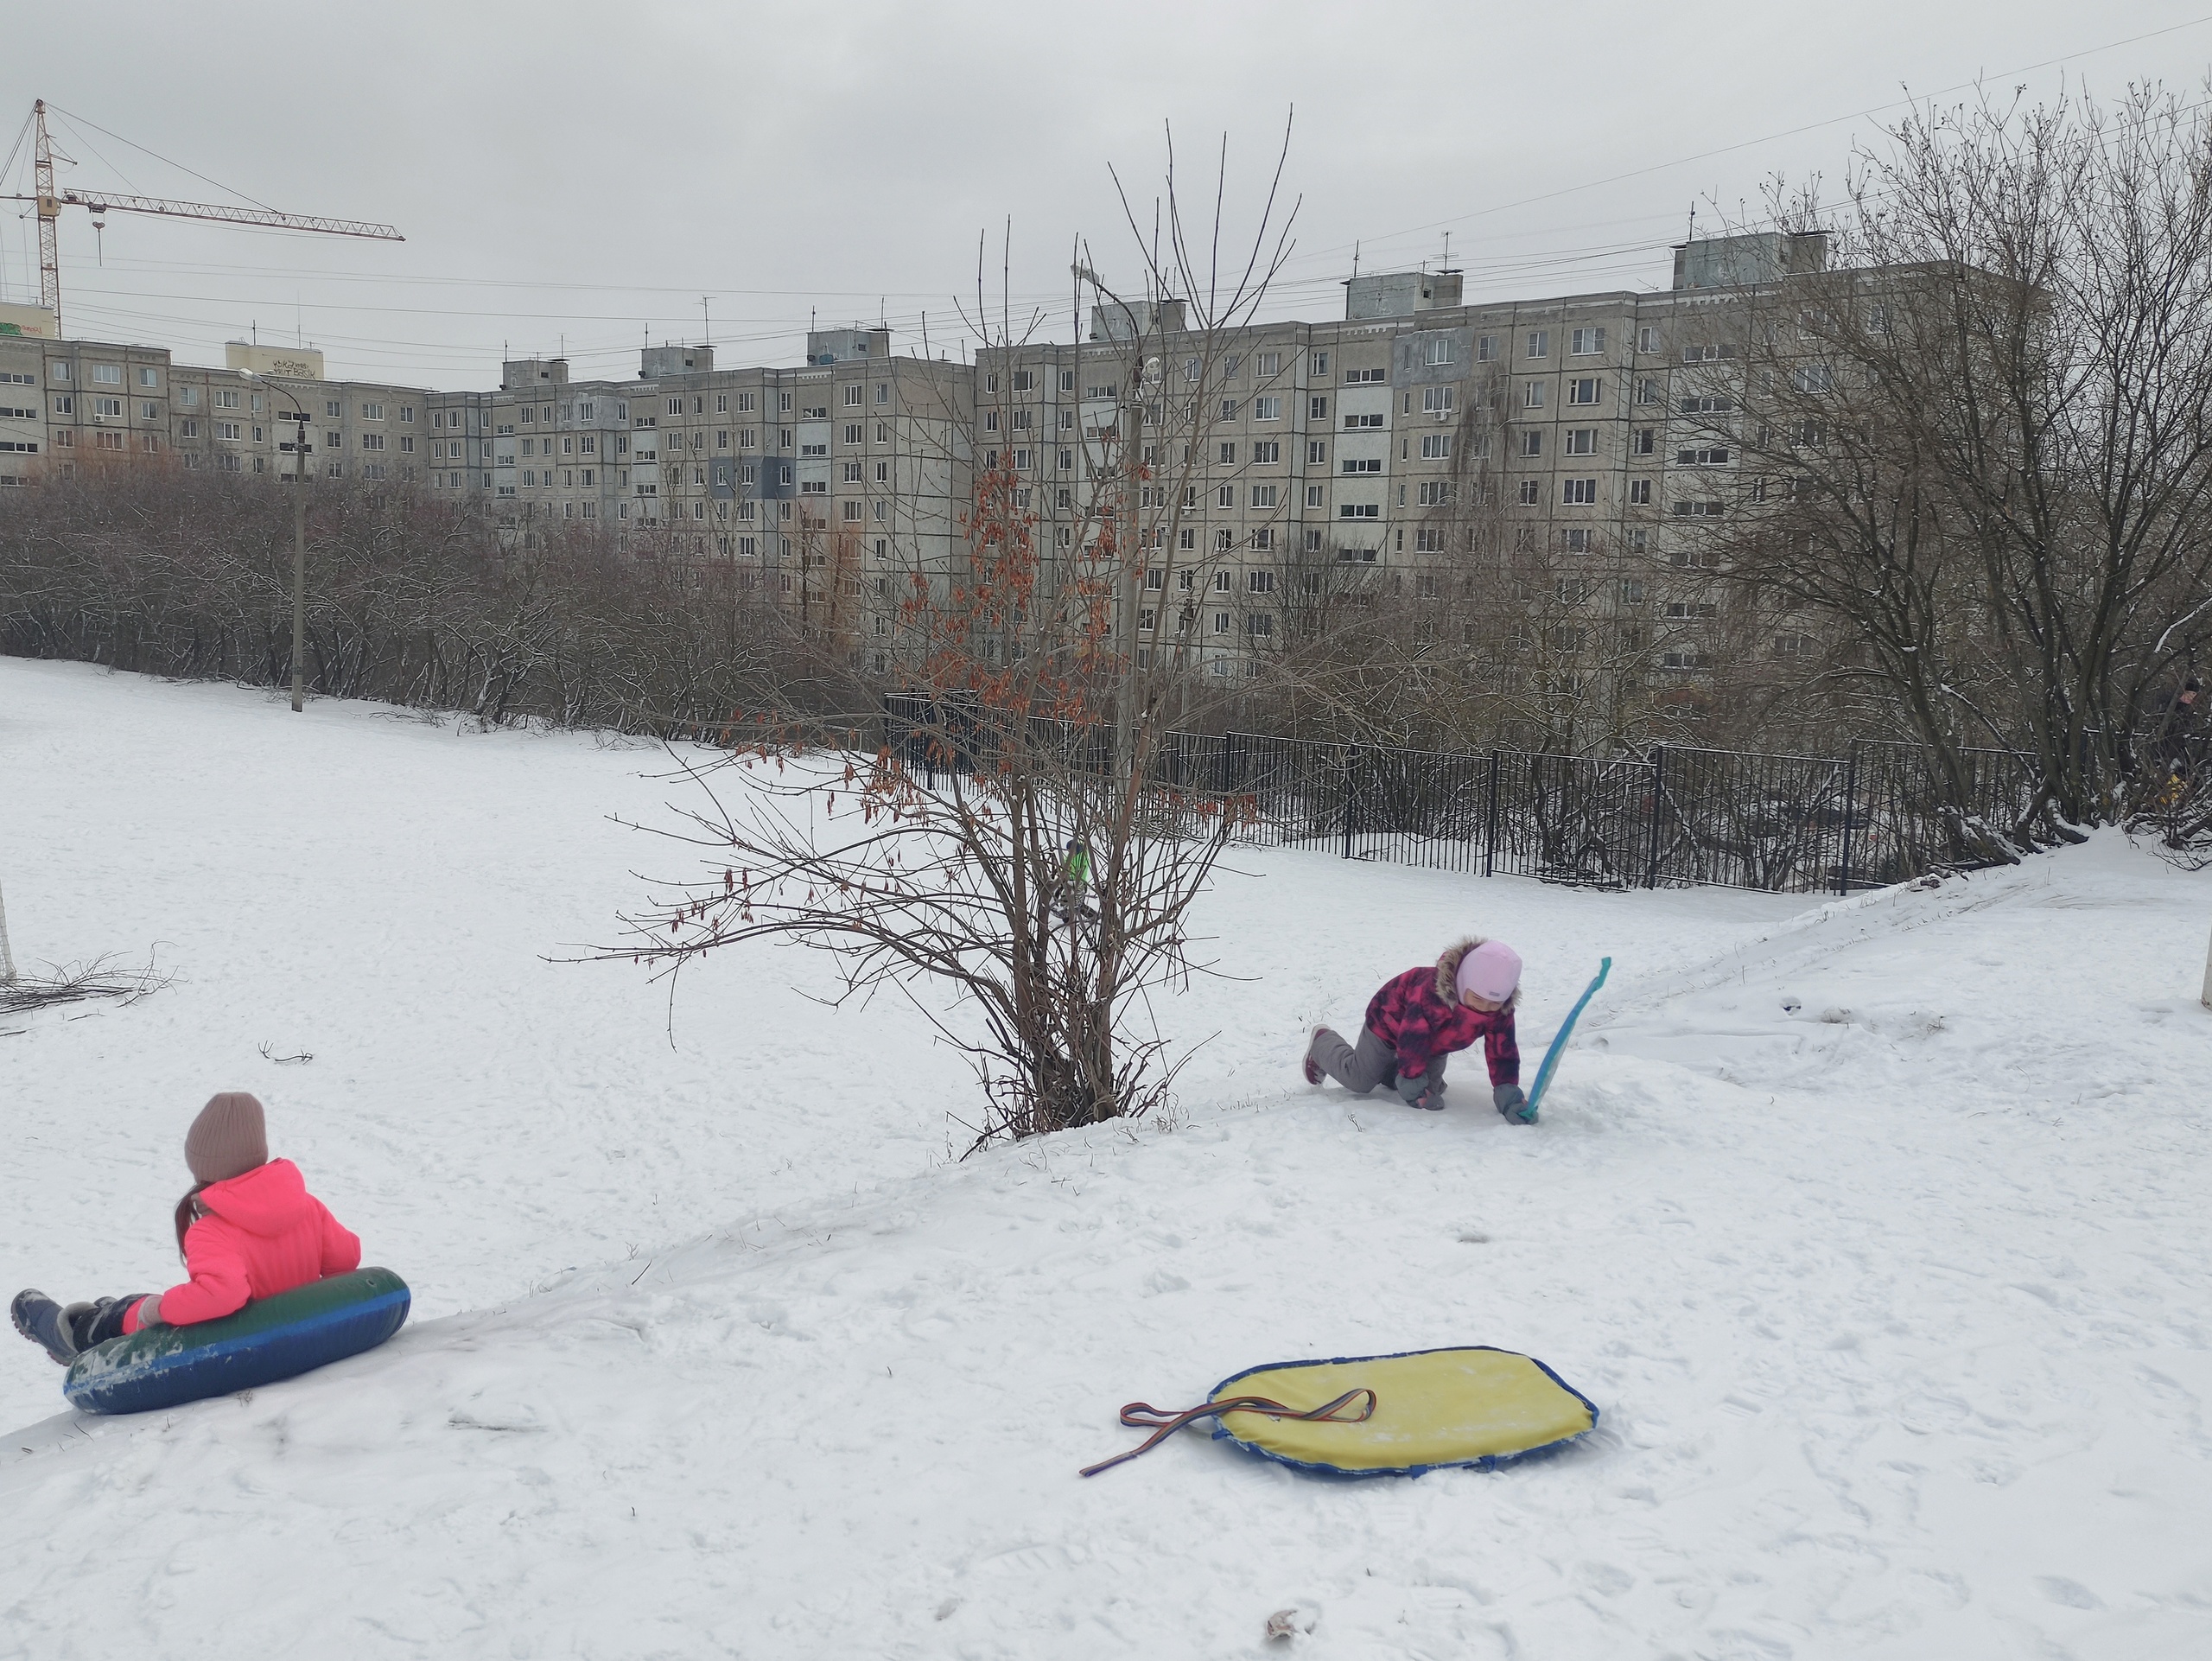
(1478, 1407)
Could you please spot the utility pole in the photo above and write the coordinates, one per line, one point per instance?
(300, 568)
(301, 450)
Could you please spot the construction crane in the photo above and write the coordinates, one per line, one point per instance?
(52, 201)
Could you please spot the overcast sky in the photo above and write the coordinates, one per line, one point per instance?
(577, 177)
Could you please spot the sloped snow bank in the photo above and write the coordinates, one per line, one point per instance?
(1898, 1318)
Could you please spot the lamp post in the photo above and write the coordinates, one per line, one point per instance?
(301, 450)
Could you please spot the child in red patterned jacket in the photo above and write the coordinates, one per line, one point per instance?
(1423, 1015)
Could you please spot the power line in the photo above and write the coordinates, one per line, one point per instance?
(1748, 143)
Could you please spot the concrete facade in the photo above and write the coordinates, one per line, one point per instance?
(1572, 427)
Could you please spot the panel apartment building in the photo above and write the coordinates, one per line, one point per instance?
(1587, 430)
(1582, 424)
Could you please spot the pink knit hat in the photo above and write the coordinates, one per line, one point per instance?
(1491, 970)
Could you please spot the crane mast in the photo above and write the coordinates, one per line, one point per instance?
(50, 202)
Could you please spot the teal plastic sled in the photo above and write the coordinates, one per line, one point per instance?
(1559, 1044)
(271, 1339)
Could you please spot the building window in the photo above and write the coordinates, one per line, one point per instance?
(1362, 464)
(1435, 447)
(1639, 493)
(1579, 539)
(1436, 492)
(1577, 492)
(1267, 409)
(107, 374)
(1363, 377)
(1263, 495)
(1313, 496)
(1532, 396)
(373, 412)
(1707, 455)
(1360, 510)
(1225, 497)
(1358, 422)
(1436, 401)
(1697, 509)
(1585, 342)
(1540, 343)
(1532, 440)
(1582, 391)
(1581, 441)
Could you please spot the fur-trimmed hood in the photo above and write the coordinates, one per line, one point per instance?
(1448, 974)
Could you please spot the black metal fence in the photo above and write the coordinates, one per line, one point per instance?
(1789, 824)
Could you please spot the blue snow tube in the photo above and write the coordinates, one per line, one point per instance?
(271, 1339)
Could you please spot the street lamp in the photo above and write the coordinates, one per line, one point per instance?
(301, 450)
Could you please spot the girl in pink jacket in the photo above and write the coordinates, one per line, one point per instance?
(248, 1229)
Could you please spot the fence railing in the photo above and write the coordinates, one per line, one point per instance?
(1787, 824)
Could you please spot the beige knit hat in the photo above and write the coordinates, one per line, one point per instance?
(228, 1139)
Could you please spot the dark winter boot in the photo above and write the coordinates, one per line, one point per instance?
(1313, 1074)
(102, 1320)
(48, 1324)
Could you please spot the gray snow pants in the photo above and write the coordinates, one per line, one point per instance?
(1372, 1063)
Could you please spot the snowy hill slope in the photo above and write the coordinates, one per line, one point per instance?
(1898, 1319)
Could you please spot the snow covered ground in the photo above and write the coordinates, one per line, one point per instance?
(1880, 1233)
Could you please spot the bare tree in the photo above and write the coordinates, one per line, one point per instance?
(1981, 449)
(1019, 852)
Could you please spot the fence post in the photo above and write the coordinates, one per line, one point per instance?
(1850, 799)
(1658, 783)
(1489, 821)
(1351, 771)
